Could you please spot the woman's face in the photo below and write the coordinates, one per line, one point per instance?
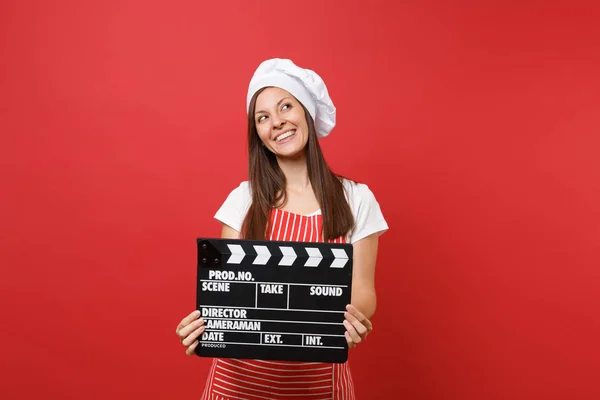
(281, 122)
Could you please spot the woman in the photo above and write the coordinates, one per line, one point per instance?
(292, 195)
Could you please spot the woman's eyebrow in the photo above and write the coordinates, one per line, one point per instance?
(278, 103)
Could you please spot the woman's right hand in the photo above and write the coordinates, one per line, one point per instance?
(189, 330)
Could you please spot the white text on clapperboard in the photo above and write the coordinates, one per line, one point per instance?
(220, 320)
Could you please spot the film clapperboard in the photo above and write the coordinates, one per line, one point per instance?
(273, 300)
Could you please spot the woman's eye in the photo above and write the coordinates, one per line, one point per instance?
(261, 118)
(286, 106)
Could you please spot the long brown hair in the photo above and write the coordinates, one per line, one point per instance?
(268, 185)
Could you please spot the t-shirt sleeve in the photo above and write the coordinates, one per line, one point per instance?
(367, 214)
(233, 211)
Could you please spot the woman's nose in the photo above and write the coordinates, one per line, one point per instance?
(277, 121)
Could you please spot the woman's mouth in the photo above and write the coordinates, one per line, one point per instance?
(286, 136)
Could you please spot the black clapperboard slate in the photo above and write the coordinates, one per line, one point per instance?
(273, 300)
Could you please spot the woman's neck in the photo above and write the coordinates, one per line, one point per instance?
(296, 173)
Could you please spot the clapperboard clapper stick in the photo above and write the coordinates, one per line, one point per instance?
(273, 300)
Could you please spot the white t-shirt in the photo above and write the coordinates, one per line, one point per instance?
(365, 208)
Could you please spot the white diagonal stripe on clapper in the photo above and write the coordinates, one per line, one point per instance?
(289, 255)
(341, 258)
(314, 257)
(237, 254)
(262, 255)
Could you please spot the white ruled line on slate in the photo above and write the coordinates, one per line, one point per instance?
(274, 309)
(281, 333)
(278, 345)
(274, 283)
(275, 320)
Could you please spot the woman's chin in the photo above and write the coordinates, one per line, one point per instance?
(291, 154)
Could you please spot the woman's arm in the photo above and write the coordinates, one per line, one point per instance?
(364, 299)
(228, 232)
(363, 275)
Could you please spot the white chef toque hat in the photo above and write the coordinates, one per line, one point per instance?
(305, 85)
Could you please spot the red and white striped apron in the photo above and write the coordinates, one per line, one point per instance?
(257, 379)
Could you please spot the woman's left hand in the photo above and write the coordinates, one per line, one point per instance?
(357, 326)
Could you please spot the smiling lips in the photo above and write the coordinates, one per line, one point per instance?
(285, 135)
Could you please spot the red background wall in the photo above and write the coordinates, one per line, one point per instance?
(475, 123)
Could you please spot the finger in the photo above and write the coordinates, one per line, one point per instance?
(360, 316)
(190, 351)
(186, 321)
(190, 328)
(353, 333)
(351, 343)
(358, 325)
(192, 336)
